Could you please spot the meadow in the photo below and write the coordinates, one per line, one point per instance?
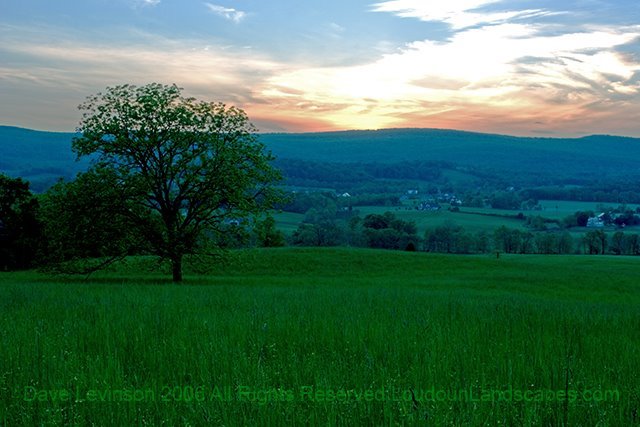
(559, 209)
(329, 337)
(471, 219)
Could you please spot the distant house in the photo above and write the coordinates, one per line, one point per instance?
(596, 221)
(428, 206)
(412, 192)
(449, 198)
(344, 195)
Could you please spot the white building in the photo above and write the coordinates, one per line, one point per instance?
(596, 222)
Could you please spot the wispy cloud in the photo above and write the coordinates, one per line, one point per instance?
(145, 3)
(509, 70)
(457, 13)
(226, 12)
(69, 70)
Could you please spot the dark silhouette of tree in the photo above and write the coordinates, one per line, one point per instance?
(388, 232)
(595, 242)
(87, 223)
(20, 230)
(267, 235)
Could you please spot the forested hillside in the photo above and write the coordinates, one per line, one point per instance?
(353, 156)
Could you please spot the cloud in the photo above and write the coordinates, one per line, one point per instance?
(503, 70)
(226, 12)
(498, 68)
(496, 77)
(69, 70)
(145, 3)
(457, 13)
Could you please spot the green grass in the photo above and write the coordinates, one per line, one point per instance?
(467, 218)
(337, 319)
(559, 209)
(287, 222)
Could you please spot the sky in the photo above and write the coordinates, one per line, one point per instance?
(518, 67)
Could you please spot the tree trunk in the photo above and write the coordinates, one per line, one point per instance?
(176, 268)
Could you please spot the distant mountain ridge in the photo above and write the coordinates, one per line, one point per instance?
(42, 156)
(39, 156)
(596, 154)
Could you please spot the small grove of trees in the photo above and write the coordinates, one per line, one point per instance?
(505, 200)
(625, 244)
(267, 235)
(20, 230)
(388, 232)
(86, 223)
(595, 242)
(451, 238)
(554, 243)
(301, 202)
(382, 231)
(578, 219)
(324, 232)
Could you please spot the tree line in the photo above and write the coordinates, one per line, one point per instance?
(78, 227)
(80, 224)
(386, 231)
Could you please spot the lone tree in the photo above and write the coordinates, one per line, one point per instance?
(182, 166)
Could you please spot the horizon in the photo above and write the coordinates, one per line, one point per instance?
(507, 67)
(380, 130)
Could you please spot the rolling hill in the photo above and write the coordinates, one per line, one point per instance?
(595, 154)
(42, 157)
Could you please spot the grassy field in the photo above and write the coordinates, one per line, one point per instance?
(471, 219)
(287, 222)
(559, 209)
(467, 218)
(327, 337)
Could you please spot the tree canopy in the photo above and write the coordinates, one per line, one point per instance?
(86, 223)
(20, 231)
(181, 167)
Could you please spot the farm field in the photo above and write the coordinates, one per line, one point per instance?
(287, 222)
(469, 221)
(327, 336)
(559, 209)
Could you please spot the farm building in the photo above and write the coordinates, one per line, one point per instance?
(428, 206)
(596, 222)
